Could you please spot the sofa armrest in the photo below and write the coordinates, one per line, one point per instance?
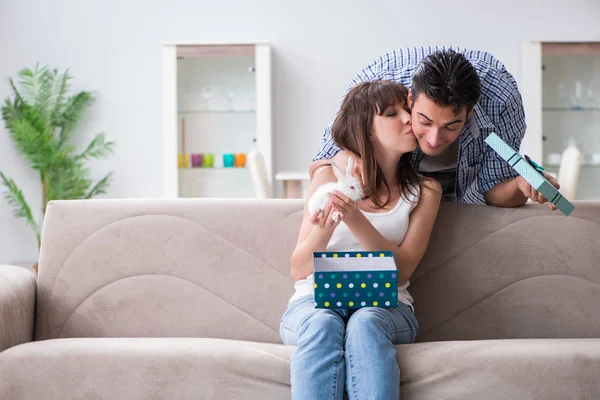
(17, 305)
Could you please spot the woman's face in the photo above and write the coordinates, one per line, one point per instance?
(392, 131)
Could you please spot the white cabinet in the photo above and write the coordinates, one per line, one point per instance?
(561, 91)
(217, 107)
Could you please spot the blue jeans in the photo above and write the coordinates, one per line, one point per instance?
(346, 348)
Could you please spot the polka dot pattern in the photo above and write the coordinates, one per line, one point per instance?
(352, 289)
(354, 254)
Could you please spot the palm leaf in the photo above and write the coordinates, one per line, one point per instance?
(30, 83)
(18, 96)
(100, 187)
(32, 141)
(43, 101)
(72, 113)
(10, 111)
(17, 201)
(98, 148)
(68, 180)
(61, 88)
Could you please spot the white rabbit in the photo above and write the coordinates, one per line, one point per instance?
(346, 184)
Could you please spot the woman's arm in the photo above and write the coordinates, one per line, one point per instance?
(315, 231)
(413, 247)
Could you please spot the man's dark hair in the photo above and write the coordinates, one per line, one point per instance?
(448, 79)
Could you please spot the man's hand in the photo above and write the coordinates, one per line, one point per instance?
(534, 195)
(341, 161)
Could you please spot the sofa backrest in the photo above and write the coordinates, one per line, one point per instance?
(220, 268)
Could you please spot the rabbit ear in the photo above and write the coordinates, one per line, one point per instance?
(350, 166)
(339, 174)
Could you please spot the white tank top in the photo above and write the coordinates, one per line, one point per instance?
(392, 225)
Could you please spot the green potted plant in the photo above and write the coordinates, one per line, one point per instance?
(41, 118)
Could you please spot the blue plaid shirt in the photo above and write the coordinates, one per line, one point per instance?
(499, 110)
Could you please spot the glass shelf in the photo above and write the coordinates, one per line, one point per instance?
(212, 169)
(216, 112)
(570, 109)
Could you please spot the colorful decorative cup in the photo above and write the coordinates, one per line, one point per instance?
(240, 160)
(228, 160)
(196, 160)
(208, 160)
(183, 160)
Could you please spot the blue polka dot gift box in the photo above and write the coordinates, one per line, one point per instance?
(355, 279)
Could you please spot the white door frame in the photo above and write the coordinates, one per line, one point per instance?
(264, 124)
(170, 174)
(531, 91)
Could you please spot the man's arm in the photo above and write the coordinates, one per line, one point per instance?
(328, 148)
(317, 165)
(500, 184)
(506, 194)
(505, 188)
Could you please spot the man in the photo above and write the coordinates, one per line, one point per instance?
(457, 98)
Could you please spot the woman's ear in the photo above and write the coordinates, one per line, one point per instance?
(371, 137)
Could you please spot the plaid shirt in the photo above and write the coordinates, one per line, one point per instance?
(499, 110)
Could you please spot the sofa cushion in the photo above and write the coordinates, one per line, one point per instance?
(166, 268)
(144, 368)
(494, 273)
(549, 369)
(165, 368)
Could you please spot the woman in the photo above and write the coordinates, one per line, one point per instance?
(354, 349)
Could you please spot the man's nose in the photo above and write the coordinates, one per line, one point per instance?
(434, 138)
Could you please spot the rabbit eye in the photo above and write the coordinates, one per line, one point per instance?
(352, 187)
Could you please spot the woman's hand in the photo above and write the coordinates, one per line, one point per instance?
(347, 207)
(325, 219)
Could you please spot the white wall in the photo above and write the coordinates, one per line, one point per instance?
(113, 48)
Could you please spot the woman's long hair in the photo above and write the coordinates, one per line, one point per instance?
(352, 128)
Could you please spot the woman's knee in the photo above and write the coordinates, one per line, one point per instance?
(397, 324)
(321, 326)
(370, 317)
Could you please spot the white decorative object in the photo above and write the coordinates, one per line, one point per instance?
(568, 173)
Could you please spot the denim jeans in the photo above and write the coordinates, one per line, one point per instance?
(351, 349)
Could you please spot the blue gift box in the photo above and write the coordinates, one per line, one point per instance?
(530, 173)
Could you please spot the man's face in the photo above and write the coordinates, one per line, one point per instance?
(435, 127)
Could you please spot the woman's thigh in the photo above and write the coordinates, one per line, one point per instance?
(303, 311)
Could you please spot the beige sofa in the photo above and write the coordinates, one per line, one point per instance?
(181, 299)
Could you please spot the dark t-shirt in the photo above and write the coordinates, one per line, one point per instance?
(448, 181)
(443, 169)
